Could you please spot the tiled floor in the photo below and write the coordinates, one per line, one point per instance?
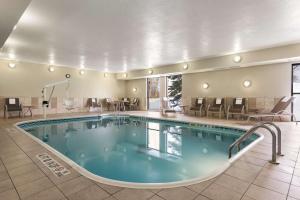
(22, 176)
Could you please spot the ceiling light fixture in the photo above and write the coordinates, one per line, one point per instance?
(237, 59)
(247, 83)
(105, 75)
(150, 71)
(134, 89)
(125, 75)
(205, 85)
(12, 65)
(51, 69)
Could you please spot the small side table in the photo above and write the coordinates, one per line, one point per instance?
(27, 109)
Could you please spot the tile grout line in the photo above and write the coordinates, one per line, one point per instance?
(293, 173)
(11, 179)
(37, 166)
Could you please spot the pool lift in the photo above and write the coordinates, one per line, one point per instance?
(69, 105)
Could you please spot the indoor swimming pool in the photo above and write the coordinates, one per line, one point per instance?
(134, 150)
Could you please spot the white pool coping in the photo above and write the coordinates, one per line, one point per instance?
(101, 179)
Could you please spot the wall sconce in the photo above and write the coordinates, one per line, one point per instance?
(237, 59)
(125, 75)
(81, 72)
(105, 75)
(205, 85)
(247, 83)
(185, 66)
(12, 65)
(134, 89)
(51, 69)
(150, 71)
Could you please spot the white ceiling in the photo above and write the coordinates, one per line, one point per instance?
(10, 13)
(136, 34)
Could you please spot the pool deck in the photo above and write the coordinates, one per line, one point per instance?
(23, 176)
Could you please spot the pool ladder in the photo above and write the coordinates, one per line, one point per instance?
(267, 126)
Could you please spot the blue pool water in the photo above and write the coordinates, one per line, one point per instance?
(139, 150)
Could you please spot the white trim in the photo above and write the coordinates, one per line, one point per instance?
(100, 179)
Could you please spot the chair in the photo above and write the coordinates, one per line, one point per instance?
(237, 108)
(12, 105)
(279, 110)
(108, 102)
(126, 103)
(216, 107)
(165, 109)
(134, 104)
(199, 106)
(93, 104)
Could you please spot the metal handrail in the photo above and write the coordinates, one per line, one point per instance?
(251, 131)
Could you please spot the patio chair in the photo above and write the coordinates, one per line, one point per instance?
(199, 106)
(126, 103)
(94, 105)
(216, 107)
(279, 110)
(237, 108)
(12, 105)
(134, 104)
(165, 109)
(108, 102)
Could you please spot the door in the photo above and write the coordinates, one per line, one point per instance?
(296, 90)
(153, 93)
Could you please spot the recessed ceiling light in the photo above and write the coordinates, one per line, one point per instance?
(81, 72)
(237, 58)
(150, 71)
(12, 65)
(51, 69)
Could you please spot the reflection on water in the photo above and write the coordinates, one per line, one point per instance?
(135, 150)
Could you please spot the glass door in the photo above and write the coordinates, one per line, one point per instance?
(153, 96)
(296, 90)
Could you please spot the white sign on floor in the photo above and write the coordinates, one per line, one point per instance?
(55, 167)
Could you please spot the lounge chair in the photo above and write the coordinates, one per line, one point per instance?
(216, 107)
(279, 110)
(12, 105)
(237, 108)
(165, 109)
(199, 106)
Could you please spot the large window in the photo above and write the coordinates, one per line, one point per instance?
(174, 88)
(296, 90)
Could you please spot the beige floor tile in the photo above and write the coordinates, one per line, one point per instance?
(27, 177)
(31, 188)
(9, 195)
(133, 194)
(247, 198)
(232, 183)
(218, 192)
(280, 176)
(22, 169)
(201, 186)
(247, 166)
(74, 185)
(48, 194)
(297, 172)
(280, 168)
(260, 193)
(290, 198)
(93, 192)
(109, 188)
(296, 181)
(254, 160)
(155, 197)
(62, 179)
(200, 197)
(177, 193)
(6, 185)
(111, 198)
(242, 174)
(272, 184)
(3, 176)
(294, 192)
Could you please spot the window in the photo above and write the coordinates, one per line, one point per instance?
(296, 90)
(174, 88)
